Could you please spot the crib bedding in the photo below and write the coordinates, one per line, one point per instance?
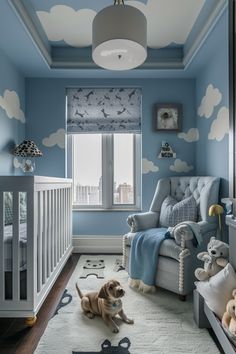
(8, 247)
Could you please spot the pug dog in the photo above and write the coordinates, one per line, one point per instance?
(105, 303)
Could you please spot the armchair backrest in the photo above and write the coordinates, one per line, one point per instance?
(204, 189)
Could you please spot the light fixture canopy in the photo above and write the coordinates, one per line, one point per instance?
(119, 37)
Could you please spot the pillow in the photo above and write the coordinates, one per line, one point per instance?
(174, 212)
(217, 291)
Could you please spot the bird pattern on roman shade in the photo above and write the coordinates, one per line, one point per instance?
(104, 110)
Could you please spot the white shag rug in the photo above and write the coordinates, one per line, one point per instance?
(162, 323)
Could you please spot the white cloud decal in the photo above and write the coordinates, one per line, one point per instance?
(57, 138)
(167, 23)
(10, 102)
(220, 126)
(163, 26)
(191, 136)
(181, 166)
(148, 166)
(16, 163)
(64, 23)
(211, 99)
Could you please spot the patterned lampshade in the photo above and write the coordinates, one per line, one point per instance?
(27, 149)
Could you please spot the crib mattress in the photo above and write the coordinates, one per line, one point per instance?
(8, 247)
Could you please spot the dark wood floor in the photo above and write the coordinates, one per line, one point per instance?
(15, 337)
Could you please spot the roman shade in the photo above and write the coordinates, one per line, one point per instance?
(103, 110)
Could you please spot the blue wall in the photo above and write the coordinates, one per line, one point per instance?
(45, 102)
(12, 130)
(212, 155)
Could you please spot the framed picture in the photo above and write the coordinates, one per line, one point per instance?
(167, 116)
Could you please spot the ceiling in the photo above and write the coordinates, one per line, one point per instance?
(46, 36)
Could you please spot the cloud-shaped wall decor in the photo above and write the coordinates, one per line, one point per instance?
(211, 99)
(57, 138)
(148, 166)
(191, 136)
(10, 102)
(64, 23)
(164, 27)
(220, 126)
(180, 166)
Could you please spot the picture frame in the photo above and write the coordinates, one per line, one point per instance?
(167, 117)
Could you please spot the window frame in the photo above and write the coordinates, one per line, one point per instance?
(108, 175)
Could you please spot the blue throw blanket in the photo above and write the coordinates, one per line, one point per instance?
(144, 254)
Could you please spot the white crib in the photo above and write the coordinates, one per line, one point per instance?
(35, 240)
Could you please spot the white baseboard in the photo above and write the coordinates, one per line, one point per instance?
(97, 244)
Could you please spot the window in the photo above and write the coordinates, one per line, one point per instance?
(104, 147)
(106, 171)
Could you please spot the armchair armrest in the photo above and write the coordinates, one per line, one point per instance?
(143, 221)
(185, 232)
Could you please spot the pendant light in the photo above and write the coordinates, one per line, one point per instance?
(119, 37)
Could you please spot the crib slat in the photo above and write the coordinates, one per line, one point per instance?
(56, 227)
(2, 259)
(59, 225)
(66, 202)
(53, 230)
(68, 216)
(63, 221)
(49, 235)
(44, 241)
(16, 248)
(64, 218)
(40, 231)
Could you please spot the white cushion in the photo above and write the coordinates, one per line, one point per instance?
(217, 291)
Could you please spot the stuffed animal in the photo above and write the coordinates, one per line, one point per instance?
(229, 317)
(214, 259)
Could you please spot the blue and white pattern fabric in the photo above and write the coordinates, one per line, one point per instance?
(103, 110)
(174, 212)
(144, 254)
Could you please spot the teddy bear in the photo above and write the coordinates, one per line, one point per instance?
(215, 259)
(229, 317)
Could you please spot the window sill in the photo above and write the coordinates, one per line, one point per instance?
(107, 210)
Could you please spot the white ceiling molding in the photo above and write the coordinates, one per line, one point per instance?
(203, 34)
(30, 27)
(71, 63)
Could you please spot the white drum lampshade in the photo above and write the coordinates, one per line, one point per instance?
(119, 37)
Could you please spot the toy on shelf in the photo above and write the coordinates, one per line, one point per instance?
(215, 259)
(229, 317)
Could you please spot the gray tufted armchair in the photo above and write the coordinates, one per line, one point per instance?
(177, 256)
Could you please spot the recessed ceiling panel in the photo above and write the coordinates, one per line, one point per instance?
(169, 22)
